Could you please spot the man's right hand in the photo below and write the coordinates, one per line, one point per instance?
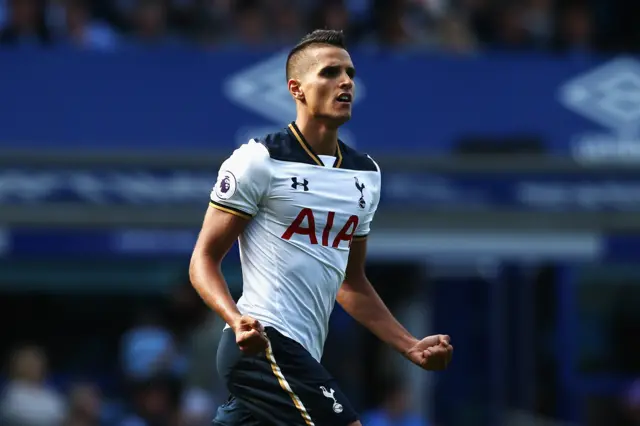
(250, 335)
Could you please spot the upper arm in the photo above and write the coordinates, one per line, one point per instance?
(357, 261)
(243, 181)
(220, 230)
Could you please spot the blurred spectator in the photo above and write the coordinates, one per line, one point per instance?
(336, 14)
(538, 21)
(512, 33)
(148, 350)
(479, 14)
(74, 26)
(85, 404)
(575, 31)
(455, 36)
(250, 29)
(182, 15)
(27, 400)
(197, 330)
(202, 347)
(150, 24)
(25, 24)
(389, 24)
(422, 19)
(153, 405)
(394, 410)
(288, 25)
(197, 408)
(333, 15)
(186, 310)
(632, 403)
(3, 12)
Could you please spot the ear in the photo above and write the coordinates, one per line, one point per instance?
(296, 90)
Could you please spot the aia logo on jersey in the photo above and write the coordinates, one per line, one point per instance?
(305, 224)
(360, 187)
(226, 186)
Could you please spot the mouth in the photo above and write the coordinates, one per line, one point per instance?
(345, 98)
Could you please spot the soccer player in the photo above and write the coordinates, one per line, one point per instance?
(301, 203)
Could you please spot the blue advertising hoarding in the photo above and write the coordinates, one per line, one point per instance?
(421, 246)
(407, 104)
(570, 192)
(444, 191)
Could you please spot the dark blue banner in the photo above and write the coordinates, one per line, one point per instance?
(92, 243)
(406, 104)
(108, 187)
(512, 191)
(427, 192)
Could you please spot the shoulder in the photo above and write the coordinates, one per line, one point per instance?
(250, 152)
(250, 157)
(353, 159)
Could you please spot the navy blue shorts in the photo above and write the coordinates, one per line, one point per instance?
(285, 386)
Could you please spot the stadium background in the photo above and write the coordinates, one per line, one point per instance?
(508, 135)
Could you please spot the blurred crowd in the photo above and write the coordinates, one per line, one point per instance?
(155, 367)
(150, 361)
(164, 373)
(445, 25)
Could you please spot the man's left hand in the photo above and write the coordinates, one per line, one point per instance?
(432, 352)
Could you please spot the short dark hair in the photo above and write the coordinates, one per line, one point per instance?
(329, 37)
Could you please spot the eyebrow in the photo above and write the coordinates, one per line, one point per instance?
(350, 69)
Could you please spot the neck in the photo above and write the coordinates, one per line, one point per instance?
(322, 138)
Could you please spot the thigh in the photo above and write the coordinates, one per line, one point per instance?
(285, 386)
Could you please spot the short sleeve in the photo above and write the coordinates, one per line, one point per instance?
(243, 181)
(364, 226)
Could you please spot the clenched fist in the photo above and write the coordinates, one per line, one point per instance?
(432, 352)
(250, 335)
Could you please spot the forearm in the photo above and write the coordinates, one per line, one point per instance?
(362, 302)
(208, 281)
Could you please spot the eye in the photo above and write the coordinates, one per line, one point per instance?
(351, 72)
(330, 72)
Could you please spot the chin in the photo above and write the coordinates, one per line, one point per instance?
(340, 119)
(334, 119)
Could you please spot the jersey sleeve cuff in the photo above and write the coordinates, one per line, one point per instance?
(360, 237)
(228, 209)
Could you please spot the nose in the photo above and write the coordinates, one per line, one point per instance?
(346, 83)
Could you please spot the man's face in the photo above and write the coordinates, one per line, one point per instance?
(327, 85)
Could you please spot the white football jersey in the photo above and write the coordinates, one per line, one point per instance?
(304, 214)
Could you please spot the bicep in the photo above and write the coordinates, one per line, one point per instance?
(220, 230)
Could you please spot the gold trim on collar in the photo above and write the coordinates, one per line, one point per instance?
(305, 145)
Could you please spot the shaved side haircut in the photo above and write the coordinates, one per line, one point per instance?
(296, 63)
